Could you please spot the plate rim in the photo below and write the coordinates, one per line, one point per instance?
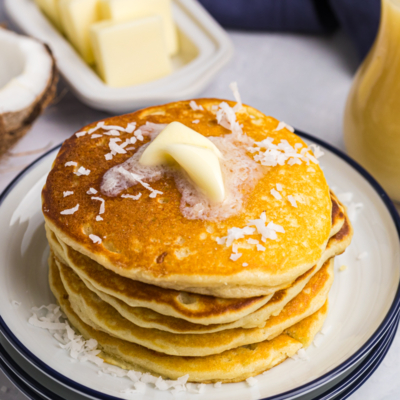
(305, 388)
(359, 376)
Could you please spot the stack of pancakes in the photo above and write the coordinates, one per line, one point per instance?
(157, 291)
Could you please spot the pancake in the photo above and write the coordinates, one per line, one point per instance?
(230, 366)
(101, 316)
(109, 288)
(149, 240)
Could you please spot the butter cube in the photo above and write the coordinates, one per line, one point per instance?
(51, 10)
(194, 153)
(77, 17)
(122, 10)
(174, 133)
(131, 52)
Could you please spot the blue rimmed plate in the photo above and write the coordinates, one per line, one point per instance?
(364, 299)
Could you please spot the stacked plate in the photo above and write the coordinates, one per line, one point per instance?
(363, 317)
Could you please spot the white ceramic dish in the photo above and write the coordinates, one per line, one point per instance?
(205, 49)
(364, 299)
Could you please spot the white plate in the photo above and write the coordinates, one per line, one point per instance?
(205, 49)
(363, 300)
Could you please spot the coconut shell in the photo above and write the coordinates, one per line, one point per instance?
(14, 125)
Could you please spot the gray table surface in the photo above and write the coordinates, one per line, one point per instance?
(300, 79)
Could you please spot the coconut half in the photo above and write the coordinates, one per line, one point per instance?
(28, 80)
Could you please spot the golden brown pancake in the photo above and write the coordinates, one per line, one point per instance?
(150, 241)
(230, 366)
(101, 316)
(129, 297)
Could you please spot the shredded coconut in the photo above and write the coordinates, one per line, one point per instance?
(252, 241)
(114, 147)
(292, 200)
(245, 265)
(252, 381)
(196, 121)
(279, 187)
(283, 125)
(95, 136)
(79, 134)
(235, 256)
(362, 255)
(67, 193)
(82, 171)
(98, 218)
(316, 150)
(91, 191)
(95, 239)
(260, 247)
(279, 154)
(112, 132)
(102, 205)
(276, 194)
(71, 164)
(129, 196)
(70, 211)
(196, 107)
(235, 90)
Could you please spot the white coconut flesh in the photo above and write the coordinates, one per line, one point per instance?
(26, 70)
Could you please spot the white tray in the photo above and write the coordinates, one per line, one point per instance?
(205, 49)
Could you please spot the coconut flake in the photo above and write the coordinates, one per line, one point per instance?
(112, 132)
(95, 239)
(196, 121)
(362, 255)
(195, 107)
(79, 134)
(82, 171)
(95, 136)
(283, 125)
(276, 194)
(316, 150)
(292, 200)
(130, 127)
(252, 381)
(235, 90)
(279, 187)
(70, 211)
(114, 147)
(67, 193)
(71, 164)
(91, 191)
(108, 156)
(98, 218)
(260, 247)
(235, 256)
(252, 241)
(129, 196)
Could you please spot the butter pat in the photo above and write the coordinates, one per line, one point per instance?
(122, 10)
(51, 10)
(196, 154)
(77, 17)
(131, 52)
(174, 133)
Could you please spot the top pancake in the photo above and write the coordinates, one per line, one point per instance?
(149, 240)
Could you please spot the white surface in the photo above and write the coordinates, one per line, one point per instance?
(359, 299)
(194, 65)
(300, 79)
